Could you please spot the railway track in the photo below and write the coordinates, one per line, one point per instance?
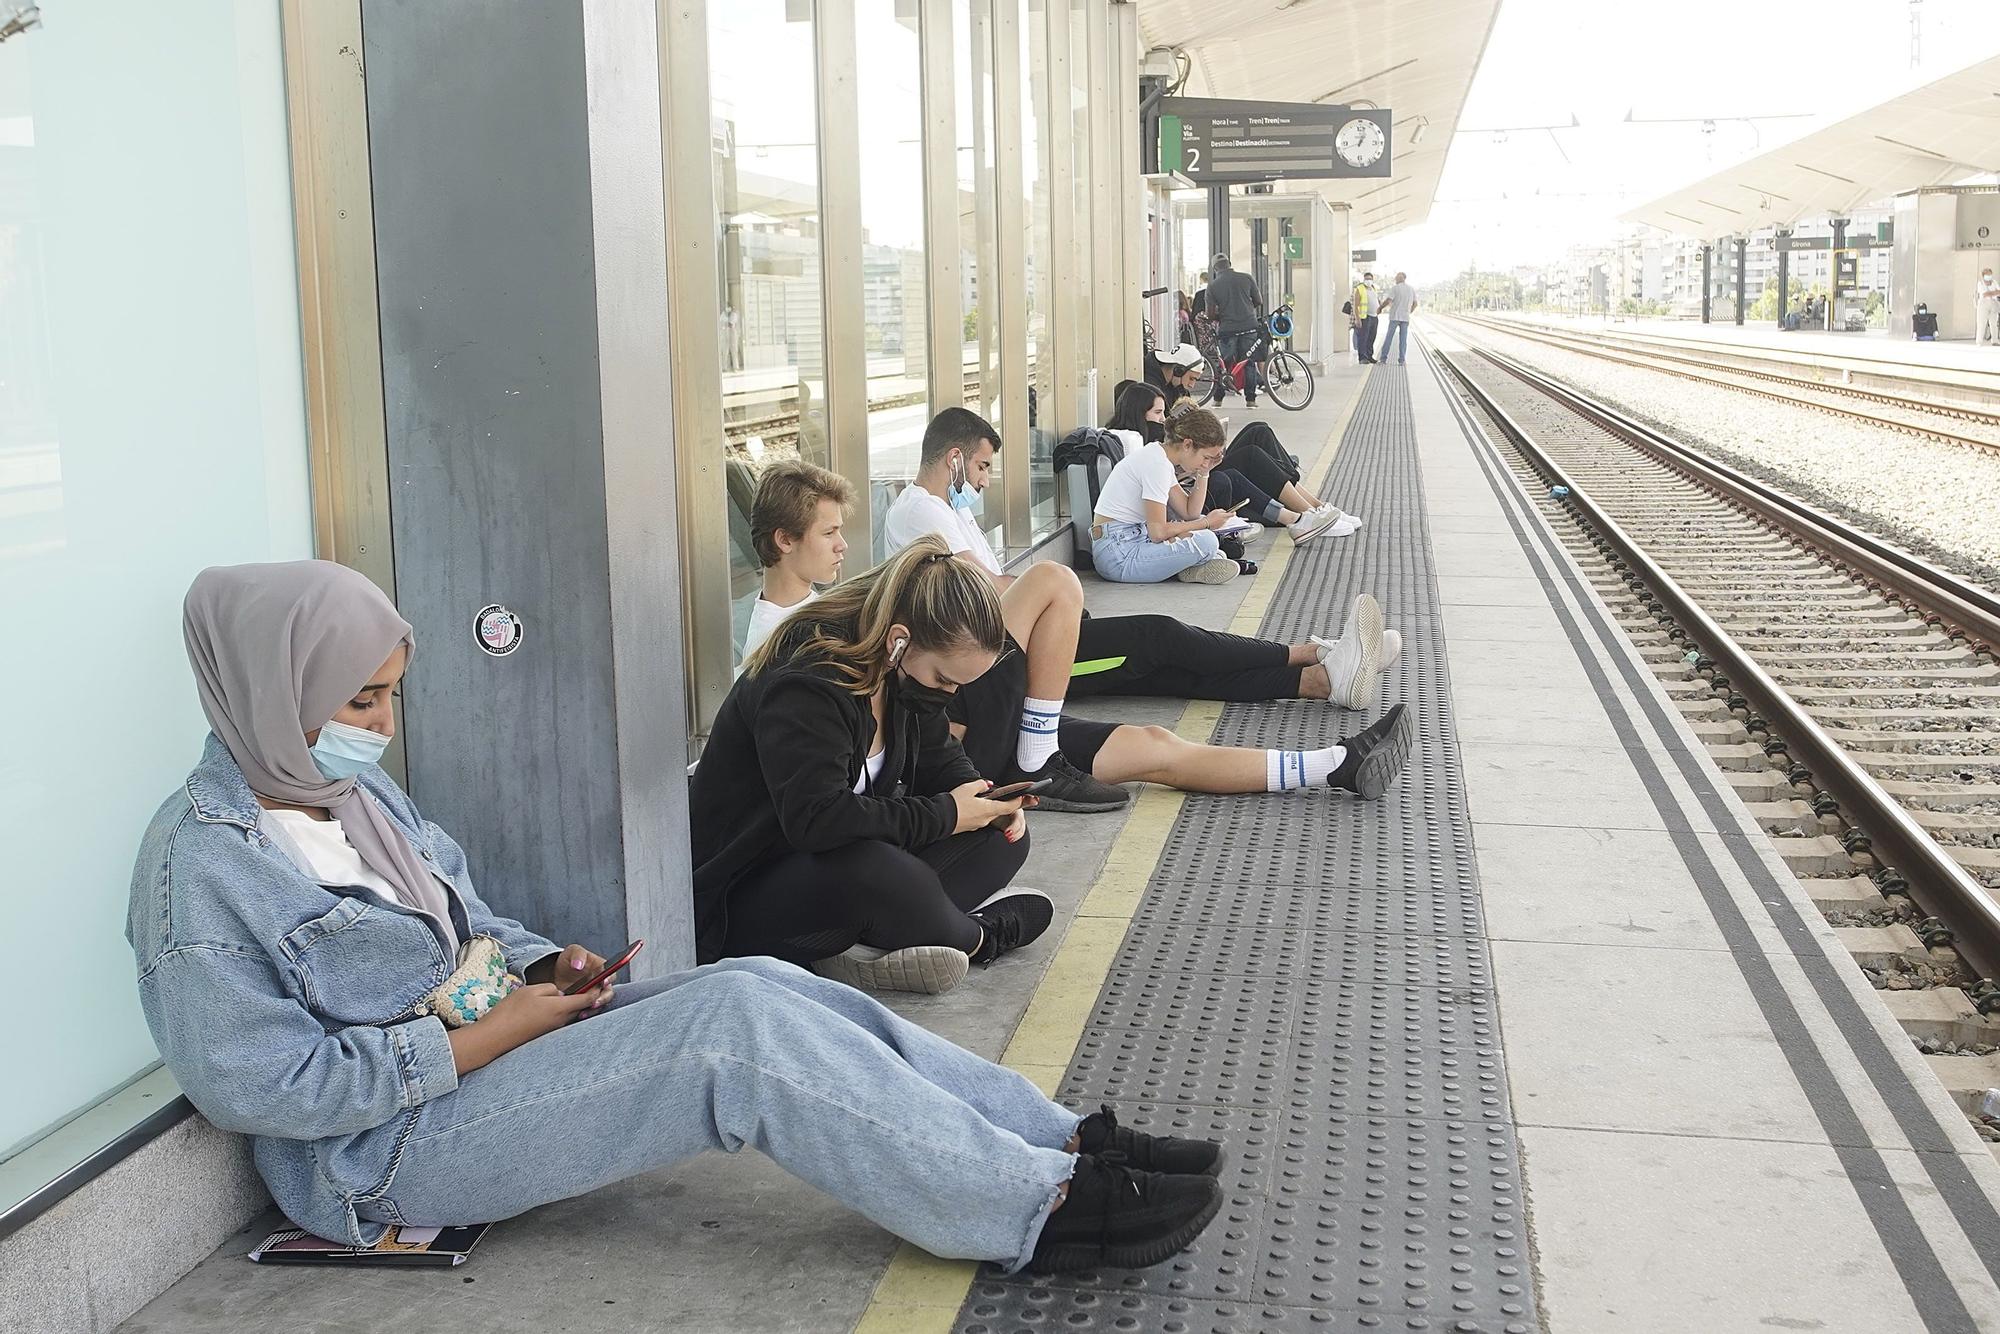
(1849, 690)
(1907, 413)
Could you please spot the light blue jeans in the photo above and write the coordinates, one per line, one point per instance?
(1126, 555)
(952, 1152)
(1400, 331)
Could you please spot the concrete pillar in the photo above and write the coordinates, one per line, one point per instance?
(1742, 275)
(1707, 279)
(524, 303)
(1218, 222)
(1784, 272)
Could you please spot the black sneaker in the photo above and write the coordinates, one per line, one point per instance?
(1117, 1217)
(1010, 919)
(1100, 1133)
(1075, 791)
(1376, 756)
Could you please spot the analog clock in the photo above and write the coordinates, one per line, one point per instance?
(1360, 142)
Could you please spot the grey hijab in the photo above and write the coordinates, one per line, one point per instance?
(277, 649)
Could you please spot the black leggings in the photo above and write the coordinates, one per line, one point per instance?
(1256, 453)
(1226, 486)
(810, 905)
(1163, 656)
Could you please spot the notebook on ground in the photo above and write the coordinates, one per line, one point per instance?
(404, 1246)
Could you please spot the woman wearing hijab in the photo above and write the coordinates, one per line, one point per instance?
(320, 975)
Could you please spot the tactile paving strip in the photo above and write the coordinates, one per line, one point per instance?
(1307, 981)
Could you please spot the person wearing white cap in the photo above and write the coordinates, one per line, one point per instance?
(1174, 371)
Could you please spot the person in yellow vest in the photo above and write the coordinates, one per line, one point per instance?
(1361, 316)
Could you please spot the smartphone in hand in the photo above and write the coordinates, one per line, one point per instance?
(609, 970)
(1013, 790)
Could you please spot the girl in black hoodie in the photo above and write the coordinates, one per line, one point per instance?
(836, 822)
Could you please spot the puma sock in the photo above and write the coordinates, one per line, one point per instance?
(1039, 720)
(1297, 770)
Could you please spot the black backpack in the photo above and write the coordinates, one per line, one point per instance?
(1086, 445)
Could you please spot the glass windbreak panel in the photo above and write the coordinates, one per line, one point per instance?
(1044, 416)
(979, 273)
(152, 423)
(892, 252)
(1080, 182)
(764, 131)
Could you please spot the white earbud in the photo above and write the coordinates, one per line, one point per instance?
(896, 651)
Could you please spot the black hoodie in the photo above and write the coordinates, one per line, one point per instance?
(778, 777)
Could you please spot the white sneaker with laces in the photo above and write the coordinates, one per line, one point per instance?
(1354, 661)
(1392, 647)
(1311, 526)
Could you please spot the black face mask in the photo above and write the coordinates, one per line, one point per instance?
(920, 699)
(1155, 432)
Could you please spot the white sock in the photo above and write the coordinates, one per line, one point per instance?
(1297, 770)
(1039, 720)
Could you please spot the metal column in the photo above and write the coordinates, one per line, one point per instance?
(845, 343)
(1707, 279)
(1218, 223)
(1742, 264)
(941, 227)
(521, 228)
(1010, 290)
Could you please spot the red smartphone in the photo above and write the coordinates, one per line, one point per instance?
(1013, 790)
(609, 971)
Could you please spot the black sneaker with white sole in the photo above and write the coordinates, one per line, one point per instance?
(1118, 1217)
(1376, 756)
(1073, 791)
(1010, 919)
(1101, 1133)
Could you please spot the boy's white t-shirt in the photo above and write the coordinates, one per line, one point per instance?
(1143, 474)
(916, 513)
(766, 617)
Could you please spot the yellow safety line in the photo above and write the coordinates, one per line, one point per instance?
(919, 1293)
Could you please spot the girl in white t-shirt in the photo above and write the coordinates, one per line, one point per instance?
(1134, 539)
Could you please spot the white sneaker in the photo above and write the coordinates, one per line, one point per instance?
(927, 970)
(1354, 661)
(1311, 526)
(1392, 648)
(1338, 513)
(1345, 526)
(1214, 570)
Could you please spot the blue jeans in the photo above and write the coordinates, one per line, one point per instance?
(1399, 330)
(1126, 555)
(942, 1148)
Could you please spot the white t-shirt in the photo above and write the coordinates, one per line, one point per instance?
(871, 769)
(319, 848)
(1143, 474)
(1989, 290)
(917, 512)
(764, 618)
(1400, 301)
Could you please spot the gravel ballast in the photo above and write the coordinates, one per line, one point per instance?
(1936, 500)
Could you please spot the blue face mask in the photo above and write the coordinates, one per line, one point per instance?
(963, 497)
(343, 751)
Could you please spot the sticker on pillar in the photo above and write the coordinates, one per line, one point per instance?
(498, 630)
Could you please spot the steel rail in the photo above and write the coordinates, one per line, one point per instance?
(1955, 605)
(1939, 885)
(1656, 362)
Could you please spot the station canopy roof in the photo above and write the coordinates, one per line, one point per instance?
(1415, 57)
(1936, 134)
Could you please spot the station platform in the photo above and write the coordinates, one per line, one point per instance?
(1547, 1039)
(1959, 357)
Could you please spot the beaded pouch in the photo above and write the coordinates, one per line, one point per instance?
(479, 983)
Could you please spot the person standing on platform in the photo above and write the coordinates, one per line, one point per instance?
(1396, 310)
(1237, 308)
(1363, 319)
(1986, 309)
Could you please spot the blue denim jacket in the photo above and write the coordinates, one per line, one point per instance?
(283, 1006)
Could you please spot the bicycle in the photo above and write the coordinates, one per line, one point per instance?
(1287, 378)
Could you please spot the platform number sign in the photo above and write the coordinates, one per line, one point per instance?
(1218, 141)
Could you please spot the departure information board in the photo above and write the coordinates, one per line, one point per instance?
(1215, 141)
